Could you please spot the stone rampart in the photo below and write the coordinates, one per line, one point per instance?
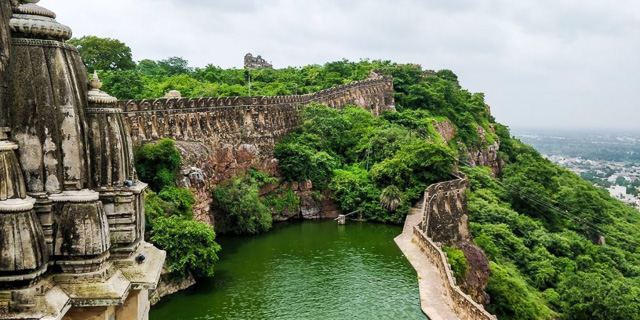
(192, 119)
(445, 218)
(219, 137)
(461, 303)
(445, 221)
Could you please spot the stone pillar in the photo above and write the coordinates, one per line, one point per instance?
(114, 173)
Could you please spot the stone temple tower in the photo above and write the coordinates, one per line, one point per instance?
(71, 208)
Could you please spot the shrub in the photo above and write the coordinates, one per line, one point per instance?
(284, 202)
(238, 208)
(182, 199)
(158, 163)
(458, 263)
(190, 245)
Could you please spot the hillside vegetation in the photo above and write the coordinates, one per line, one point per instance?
(559, 247)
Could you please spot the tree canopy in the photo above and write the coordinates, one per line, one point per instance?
(104, 54)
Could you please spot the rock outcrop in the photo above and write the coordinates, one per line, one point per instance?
(486, 155)
(478, 273)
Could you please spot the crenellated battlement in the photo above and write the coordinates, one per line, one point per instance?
(256, 119)
(338, 97)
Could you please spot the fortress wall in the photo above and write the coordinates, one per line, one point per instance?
(445, 222)
(461, 303)
(219, 137)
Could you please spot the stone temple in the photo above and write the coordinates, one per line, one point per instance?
(71, 208)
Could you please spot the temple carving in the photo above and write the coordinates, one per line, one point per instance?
(71, 208)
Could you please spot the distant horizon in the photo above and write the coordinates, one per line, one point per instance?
(585, 129)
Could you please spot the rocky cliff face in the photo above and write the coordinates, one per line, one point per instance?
(478, 274)
(206, 164)
(169, 285)
(486, 156)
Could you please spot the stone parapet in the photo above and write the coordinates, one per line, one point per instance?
(461, 303)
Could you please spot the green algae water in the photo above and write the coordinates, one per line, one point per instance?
(304, 270)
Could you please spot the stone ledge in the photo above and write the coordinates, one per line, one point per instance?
(17, 205)
(143, 275)
(112, 292)
(75, 196)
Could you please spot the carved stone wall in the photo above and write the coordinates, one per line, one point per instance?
(5, 49)
(219, 137)
(71, 210)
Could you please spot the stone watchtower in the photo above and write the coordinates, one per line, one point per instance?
(71, 208)
(252, 63)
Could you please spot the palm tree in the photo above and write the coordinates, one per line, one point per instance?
(391, 198)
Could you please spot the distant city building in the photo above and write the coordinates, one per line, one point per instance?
(620, 193)
(251, 62)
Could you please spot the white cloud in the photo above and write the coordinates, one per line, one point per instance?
(569, 63)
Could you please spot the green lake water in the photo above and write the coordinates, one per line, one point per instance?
(304, 270)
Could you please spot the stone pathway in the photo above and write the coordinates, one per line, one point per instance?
(433, 301)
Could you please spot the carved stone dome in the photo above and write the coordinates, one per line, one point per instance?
(34, 21)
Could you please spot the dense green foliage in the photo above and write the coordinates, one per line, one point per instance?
(158, 163)
(540, 226)
(357, 156)
(190, 244)
(238, 207)
(283, 202)
(104, 54)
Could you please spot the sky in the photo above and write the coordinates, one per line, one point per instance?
(541, 64)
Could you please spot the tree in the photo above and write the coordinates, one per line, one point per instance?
(104, 53)
(122, 84)
(175, 65)
(190, 245)
(238, 209)
(593, 296)
(150, 68)
(391, 198)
